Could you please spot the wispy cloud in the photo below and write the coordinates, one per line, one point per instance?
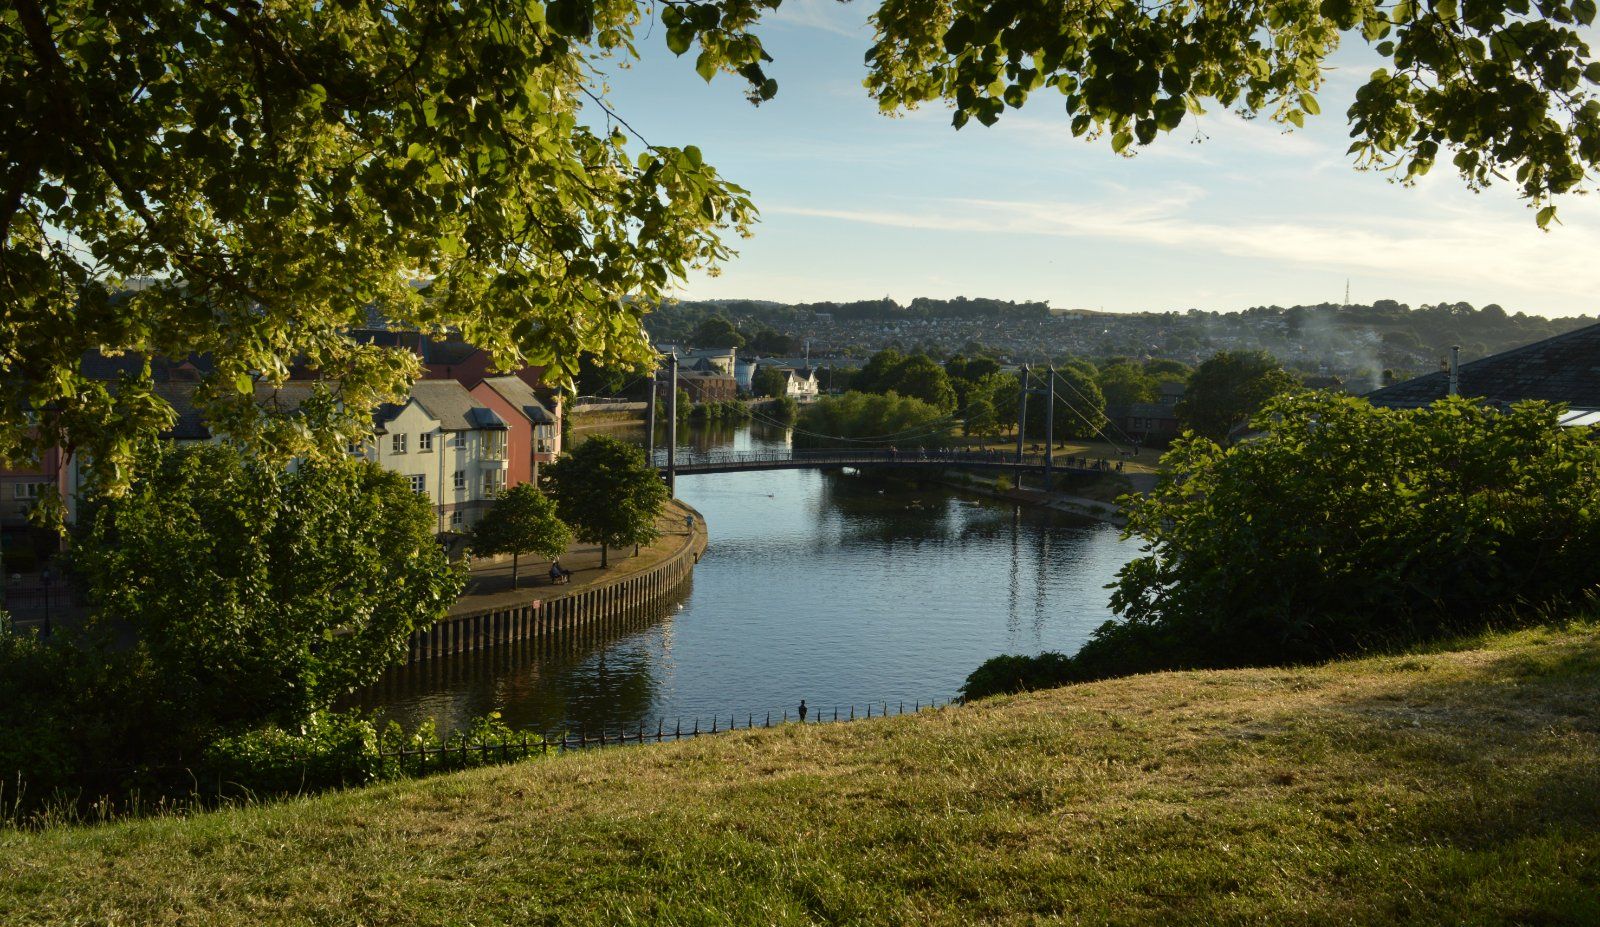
(1446, 246)
(848, 20)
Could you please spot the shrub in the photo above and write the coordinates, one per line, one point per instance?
(1013, 673)
(1344, 526)
(331, 750)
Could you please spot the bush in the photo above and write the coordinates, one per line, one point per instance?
(1342, 527)
(874, 420)
(331, 750)
(1013, 673)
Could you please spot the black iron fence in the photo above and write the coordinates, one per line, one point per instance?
(482, 751)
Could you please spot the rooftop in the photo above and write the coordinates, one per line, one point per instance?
(1564, 369)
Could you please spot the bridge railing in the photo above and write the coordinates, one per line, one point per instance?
(692, 460)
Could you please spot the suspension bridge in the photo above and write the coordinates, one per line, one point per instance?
(685, 463)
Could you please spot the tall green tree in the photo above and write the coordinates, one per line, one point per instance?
(717, 332)
(522, 521)
(769, 381)
(265, 173)
(1501, 88)
(922, 377)
(879, 371)
(609, 494)
(1125, 384)
(1080, 409)
(259, 593)
(1227, 388)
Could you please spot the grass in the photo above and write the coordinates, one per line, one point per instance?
(1450, 787)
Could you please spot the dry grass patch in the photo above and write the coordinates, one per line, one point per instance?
(1449, 787)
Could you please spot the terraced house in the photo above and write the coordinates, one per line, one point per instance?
(451, 447)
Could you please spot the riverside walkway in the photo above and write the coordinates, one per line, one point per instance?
(489, 585)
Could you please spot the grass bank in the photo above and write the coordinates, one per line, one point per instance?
(1436, 788)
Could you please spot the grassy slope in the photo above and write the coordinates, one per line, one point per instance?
(1456, 787)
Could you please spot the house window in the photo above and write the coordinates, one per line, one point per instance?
(458, 440)
(357, 448)
(455, 519)
(461, 479)
(29, 491)
(425, 442)
(419, 483)
(494, 445)
(493, 482)
(397, 444)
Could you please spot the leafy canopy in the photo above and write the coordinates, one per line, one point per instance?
(262, 174)
(258, 593)
(522, 521)
(1501, 87)
(1227, 388)
(609, 494)
(1344, 525)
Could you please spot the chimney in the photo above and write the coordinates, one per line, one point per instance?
(1455, 370)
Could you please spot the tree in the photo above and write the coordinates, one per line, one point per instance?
(1500, 88)
(873, 420)
(259, 593)
(522, 521)
(922, 377)
(879, 371)
(1080, 409)
(981, 420)
(609, 494)
(263, 174)
(717, 332)
(1125, 384)
(1227, 388)
(769, 381)
(770, 342)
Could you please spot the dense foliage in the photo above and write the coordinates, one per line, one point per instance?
(1503, 88)
(522, 521)
(1080, 408)
(1228, 388)
(873, 420)
(264, 173)
(231, 595)
(609, 493)
(1343, 527)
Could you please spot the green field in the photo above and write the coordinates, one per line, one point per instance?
(1456, 787)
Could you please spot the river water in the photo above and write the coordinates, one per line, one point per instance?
(835, 588)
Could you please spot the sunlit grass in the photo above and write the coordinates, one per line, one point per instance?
(1442, 787)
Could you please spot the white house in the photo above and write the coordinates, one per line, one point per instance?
(800, 382)
(449, 445)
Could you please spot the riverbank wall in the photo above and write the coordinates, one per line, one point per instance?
(531, 613)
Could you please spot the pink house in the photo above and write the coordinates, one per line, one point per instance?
(535, 433)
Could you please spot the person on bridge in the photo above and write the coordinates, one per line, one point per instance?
(802, 711)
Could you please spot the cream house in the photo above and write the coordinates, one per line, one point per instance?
(450, 447)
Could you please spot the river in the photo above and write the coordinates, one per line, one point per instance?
(834, 588)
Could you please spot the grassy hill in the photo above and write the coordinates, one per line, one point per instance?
(1440, 788)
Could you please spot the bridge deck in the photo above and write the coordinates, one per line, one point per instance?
(722, 462)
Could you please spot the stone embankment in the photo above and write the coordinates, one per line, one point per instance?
(593, 598)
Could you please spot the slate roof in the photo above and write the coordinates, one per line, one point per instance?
(1563, 369)
(521, 396)
(449, 403)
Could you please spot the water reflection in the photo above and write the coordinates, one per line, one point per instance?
(836, 588)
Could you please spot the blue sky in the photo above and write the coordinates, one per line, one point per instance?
(858, 205)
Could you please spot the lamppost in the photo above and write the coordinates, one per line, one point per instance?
(45, 575)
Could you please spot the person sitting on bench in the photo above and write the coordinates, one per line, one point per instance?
(558, 575)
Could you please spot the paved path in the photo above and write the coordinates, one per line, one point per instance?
(489, 586)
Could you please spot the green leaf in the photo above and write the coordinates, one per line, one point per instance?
(706, 66)
(679, 38)
(1309, 104)
(1546, 216)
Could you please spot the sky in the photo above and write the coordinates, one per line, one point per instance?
(1222, 214)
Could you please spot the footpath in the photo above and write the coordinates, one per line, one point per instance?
(489, 585)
